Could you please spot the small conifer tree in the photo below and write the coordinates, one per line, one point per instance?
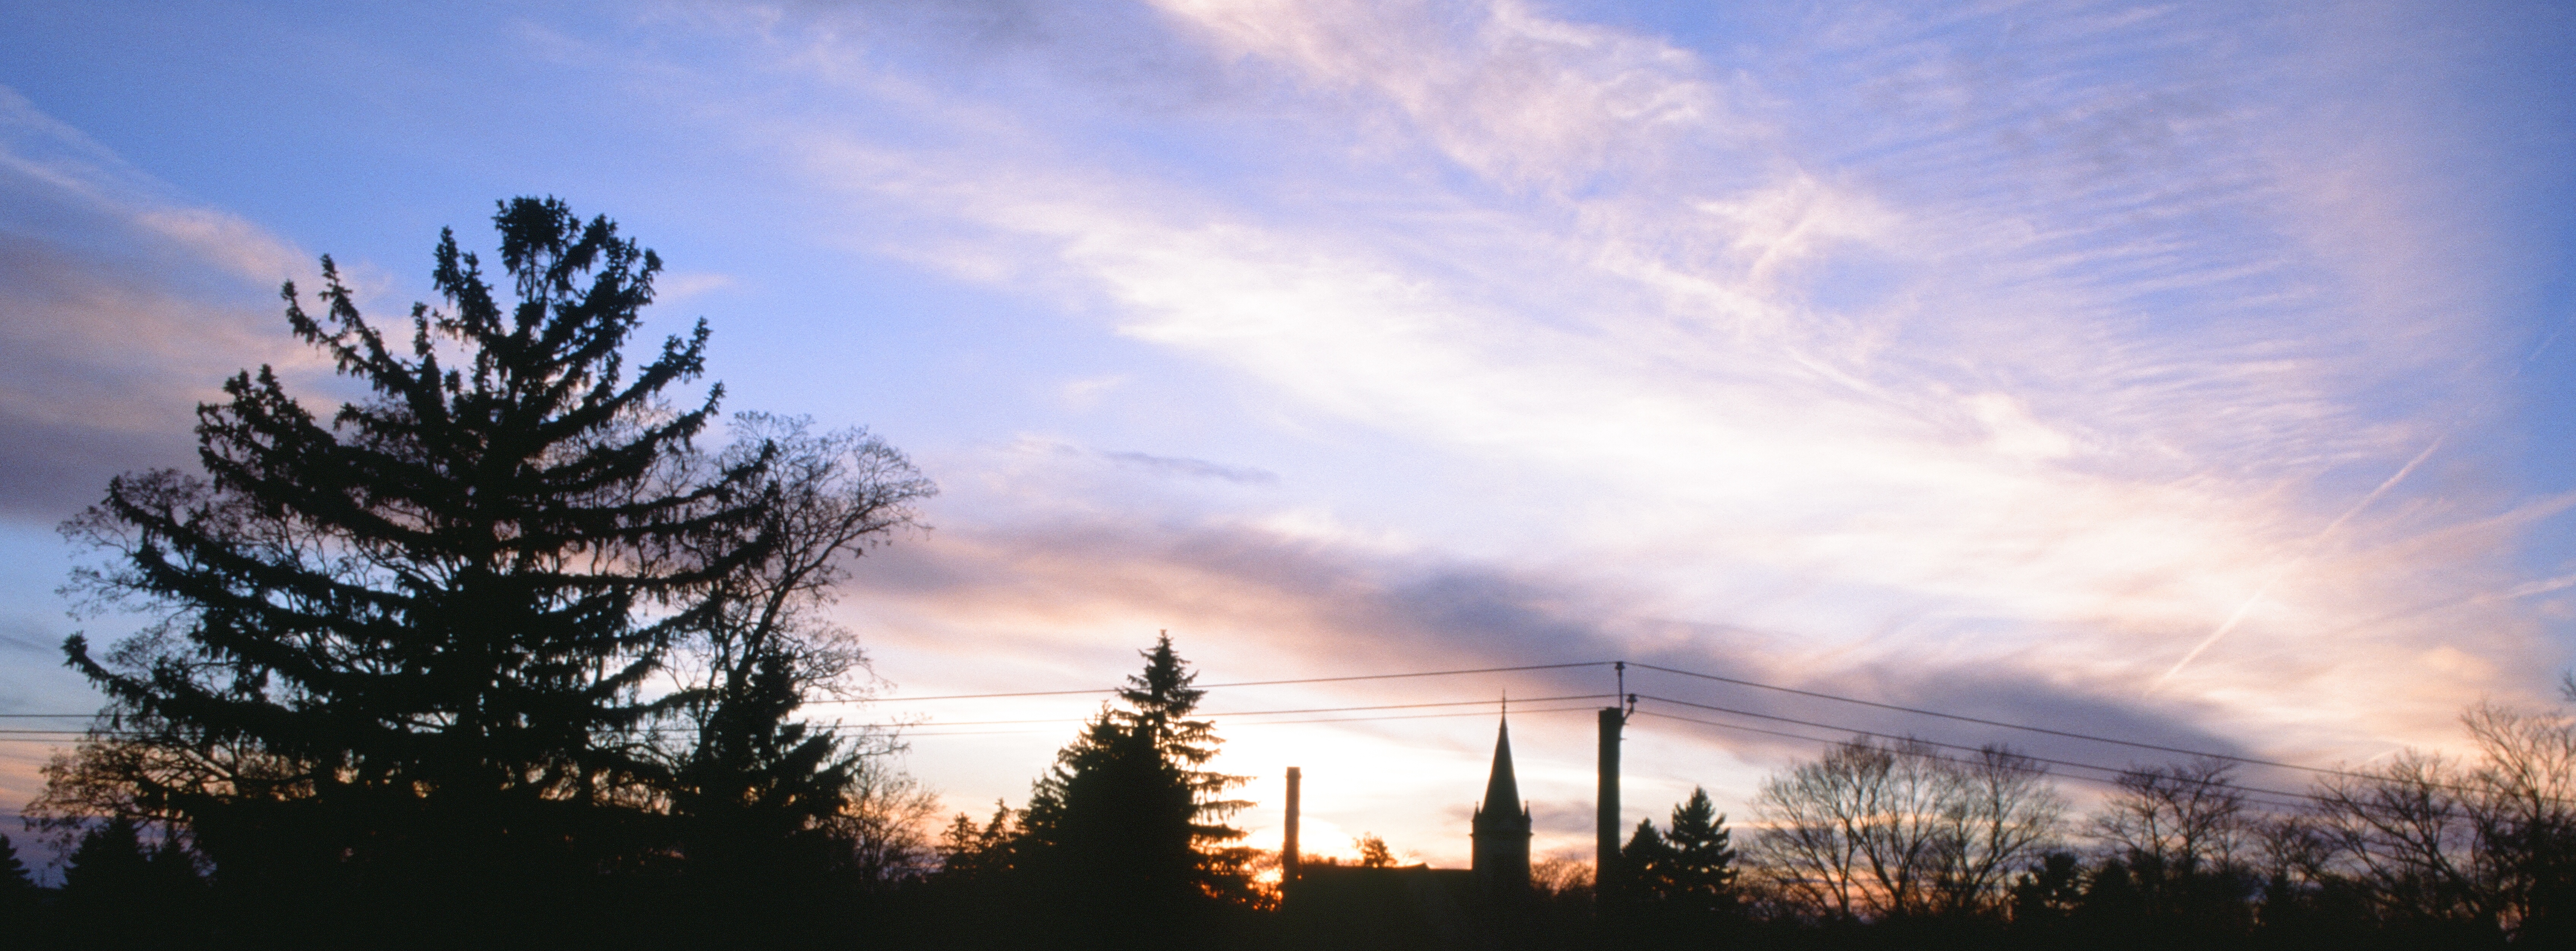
(1701, 857)
(1126, 832)
(19, 899)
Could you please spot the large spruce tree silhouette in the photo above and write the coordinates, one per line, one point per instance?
(408, 638)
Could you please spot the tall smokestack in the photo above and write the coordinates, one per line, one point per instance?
(1288, 849)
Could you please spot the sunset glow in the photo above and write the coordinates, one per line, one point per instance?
(2187, 375)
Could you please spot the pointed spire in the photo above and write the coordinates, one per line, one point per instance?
(1502, 789)
(1502, 826)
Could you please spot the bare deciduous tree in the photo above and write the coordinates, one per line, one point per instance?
(2491, 844)
(768, 647)
(2182, 818)
(1891, 830)
(2003, 814)
(1561, 878)
(2403, 832)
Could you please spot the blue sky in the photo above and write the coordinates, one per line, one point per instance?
(2185, 373)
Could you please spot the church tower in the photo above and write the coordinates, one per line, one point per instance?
(1502, 828)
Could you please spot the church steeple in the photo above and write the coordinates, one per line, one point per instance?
(1502, 825)
(1502, 790)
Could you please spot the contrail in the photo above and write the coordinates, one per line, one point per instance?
(2311, 547)
(2376, 493)
(2304, 552)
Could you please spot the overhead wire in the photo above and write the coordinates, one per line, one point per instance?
(1819, 695)
(1260, 713)
(2304, 796)
(2248, 760)
(934, 728)
(2298, 800)
(2108, 781)
(1405, 716)
(1240, 683)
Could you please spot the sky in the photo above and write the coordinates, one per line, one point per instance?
(2187, 374)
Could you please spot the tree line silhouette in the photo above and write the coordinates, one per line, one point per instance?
(1891, 841)
(498, 655)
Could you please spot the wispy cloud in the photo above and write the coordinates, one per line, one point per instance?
(1969, 336)
(1173, 466)
(1194, 468)
(1047, 600)
(110, 337)
(49, 162)
(1988, 357)
(683, 285)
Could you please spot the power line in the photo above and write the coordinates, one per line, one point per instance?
(1242, 683)
(2303, 800)
(938, 728)
(1425, 673)
(1254, 713)
(30, 735)
(2453, 787)
(1069, 693)
(1415, 716)
(1407, 706)
(1955, 746)
(1406, 716)
(1953, 759)
(1918, 711)
(2251, 761)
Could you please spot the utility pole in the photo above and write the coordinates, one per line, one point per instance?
(1607, 876)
